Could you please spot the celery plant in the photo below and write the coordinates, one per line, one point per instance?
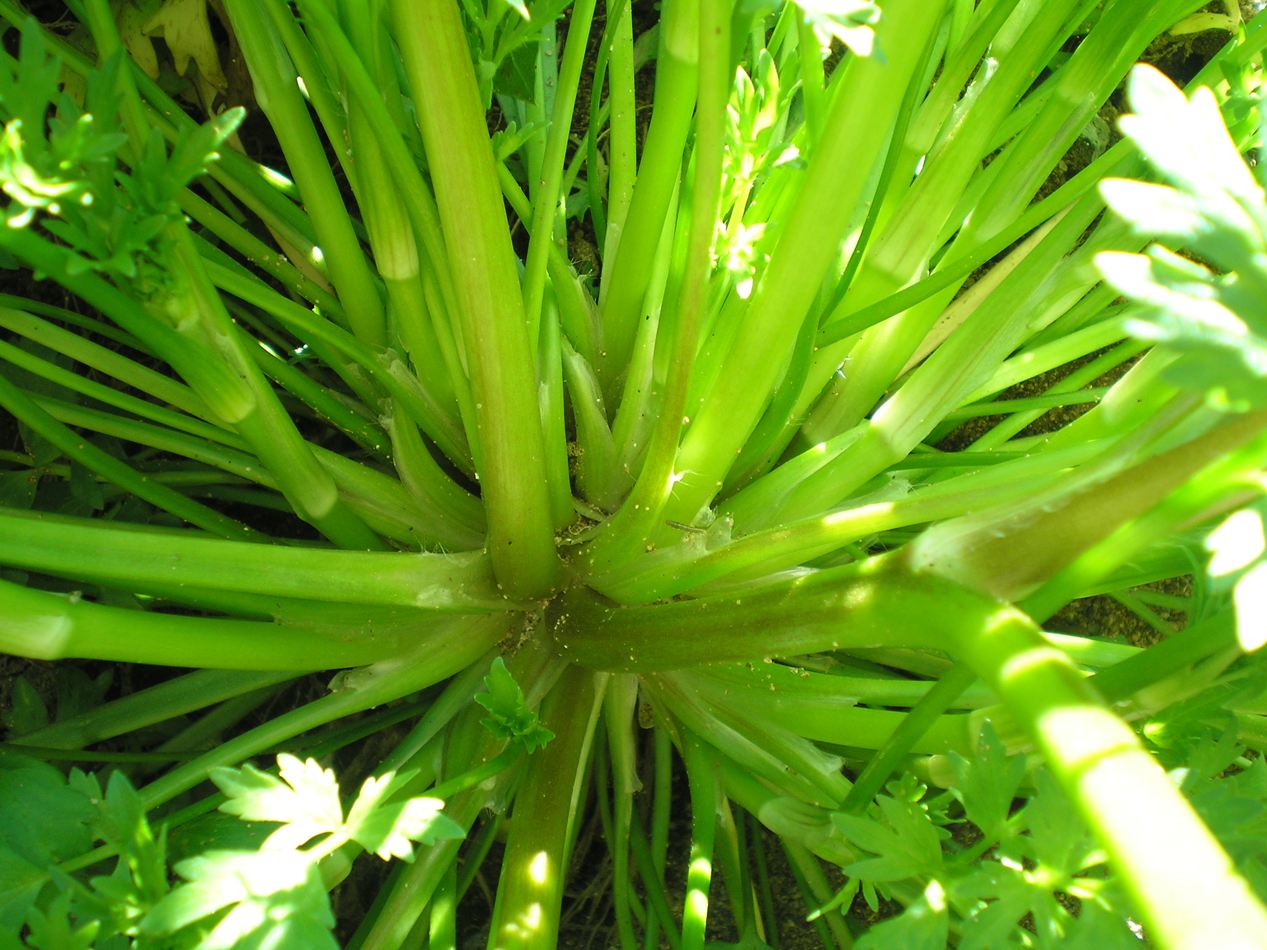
(563, 531)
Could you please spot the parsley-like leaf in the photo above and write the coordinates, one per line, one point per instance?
(387, 829)
(510, 718)
(305, 799)
(277, 900)
(924, 925)
(986, 785)
(42, 821)
(904, 841)
(1210, 204)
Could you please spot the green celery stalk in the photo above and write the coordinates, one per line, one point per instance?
(511, 451)
(278, 96)
(856, 131)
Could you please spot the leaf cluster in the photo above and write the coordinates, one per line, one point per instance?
(998, 860)
(1201, 302)
(65, 165)
(272, 894)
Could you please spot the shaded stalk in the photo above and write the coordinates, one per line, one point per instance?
(176, 697)
(157, 561)
(626, 278)
(46, 626)
(278, 95)
(534, 868)
(623, 535)
(545, 196)
(111, 469)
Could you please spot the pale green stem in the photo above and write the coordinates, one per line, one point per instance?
(705, 803)
(1185, 887)
(1007, 429)
(46, 626)
(1043, 278)
(224, 393)
(259, 254)
(460, 512)
(309, 53)
(278, 95)
(120, 555)
(622, 148)
(545, 196)
(596, 450)
(856, 132)
(323, 402)
(554, 419)
(576, 306)
(534, 868)
(623, 535)
(384, 367)
(194, 305)
(813, 96)
(620, 703)
(900, 254)
(410, 188)
(511, 451)
(625, 279)
(829, 711)
(690, 563)
(788, 762)
(807, 825)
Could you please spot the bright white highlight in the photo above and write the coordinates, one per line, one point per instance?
(1237, 543)
(935, 894)
(539, 868)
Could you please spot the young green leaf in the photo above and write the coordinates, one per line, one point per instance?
(924, 925)
(996, 896)
(986, 786)
(903, 840)
(277, 900)
(53, 929)
(388, 828)
(42, 821)
(1211, 205)
(1057, 840)
(510, 718)
(140, 877)
(305, 799)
